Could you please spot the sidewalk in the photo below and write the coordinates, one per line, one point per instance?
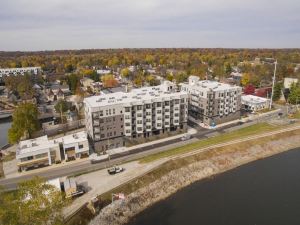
(246, 119)
(126, 149)
(12, 172)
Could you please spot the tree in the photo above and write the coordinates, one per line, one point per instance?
(294, 96)
(73, 82)
(109, 81)
(25, 122)
(34, 203)
(249, 89)
(277, 91)
(125, 73)
(245, 79)
(152, 80)
(61, 107)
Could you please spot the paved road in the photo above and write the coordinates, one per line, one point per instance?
(86, 166)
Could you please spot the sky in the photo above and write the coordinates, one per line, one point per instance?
(31, 25)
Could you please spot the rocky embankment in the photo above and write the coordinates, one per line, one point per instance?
(222, 160)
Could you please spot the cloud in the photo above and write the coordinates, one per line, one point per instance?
(63, 24)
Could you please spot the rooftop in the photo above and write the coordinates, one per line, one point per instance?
(136, 95)
(73, 138)
(210, 85)
(254, 99)
(35, 145)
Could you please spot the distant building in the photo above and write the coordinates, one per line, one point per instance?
(288, 82)
(254, 103)
(19, 71)
(103, 72)
(212, 102)
(86, 82)
(115, 118)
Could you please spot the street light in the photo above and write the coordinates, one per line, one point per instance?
(273, 84)
(273, 80)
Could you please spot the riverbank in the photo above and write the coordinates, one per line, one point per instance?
(181, 172)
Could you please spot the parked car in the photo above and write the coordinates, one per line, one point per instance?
(115, 170)
(186, 137)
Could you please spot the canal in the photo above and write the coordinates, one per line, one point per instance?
(265, 192)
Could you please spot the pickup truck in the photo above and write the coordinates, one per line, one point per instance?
(115, 170)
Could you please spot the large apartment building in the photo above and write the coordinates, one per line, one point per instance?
(19, 71)
(212, 102)
(112, 119)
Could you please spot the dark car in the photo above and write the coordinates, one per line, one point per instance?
(115, 170)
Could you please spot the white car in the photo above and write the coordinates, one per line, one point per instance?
(186, 137)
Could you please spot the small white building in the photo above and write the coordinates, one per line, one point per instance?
(37, 152)
(254, 103)
(44, 152)
(75, 145)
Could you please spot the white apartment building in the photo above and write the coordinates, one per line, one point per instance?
(254, 103)
(112, 119)
(44, 152)
(212, 102)
(19, 71)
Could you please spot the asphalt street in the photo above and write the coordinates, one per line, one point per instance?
(87, 166)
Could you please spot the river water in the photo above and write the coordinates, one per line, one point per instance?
(265, 192)
(4, 126)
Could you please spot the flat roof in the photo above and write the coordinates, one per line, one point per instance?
(73, 138)
(35, 145)
(136, 95)
(210, 85)
(254, 99)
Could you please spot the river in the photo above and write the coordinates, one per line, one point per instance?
(265, 192)
(4, 126)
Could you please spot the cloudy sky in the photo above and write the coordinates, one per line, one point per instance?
(77, 24)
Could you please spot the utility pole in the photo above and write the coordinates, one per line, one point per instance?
(273, 84)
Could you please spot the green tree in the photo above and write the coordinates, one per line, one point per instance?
(25, 122)
(73, 82)
(61, 106)
(277, 91)
(294, 96)
(34, 203)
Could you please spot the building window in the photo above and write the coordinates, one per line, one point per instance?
(158, 104)
(127, 109)
(80, 146)
(139, 107)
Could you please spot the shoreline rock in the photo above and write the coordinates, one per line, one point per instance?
(120, 212)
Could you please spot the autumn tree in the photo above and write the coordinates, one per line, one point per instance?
(25, 122)
(125, 73)
(109, 81)
(35, 202)
(249, 89)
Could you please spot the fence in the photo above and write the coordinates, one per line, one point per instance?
(60, 128)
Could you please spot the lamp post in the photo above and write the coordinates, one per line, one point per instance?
(273, 84)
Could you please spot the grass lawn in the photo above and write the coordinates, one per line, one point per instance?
(243, 132)
(297, 115)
